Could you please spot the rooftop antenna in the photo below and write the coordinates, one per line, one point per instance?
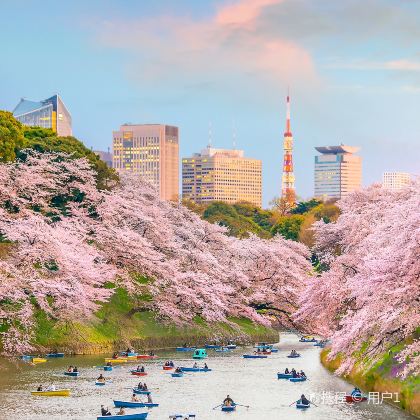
(210, 133)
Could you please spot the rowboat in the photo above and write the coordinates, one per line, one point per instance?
(56, 393)
(141, 392)
(133, 404)
(114, 361)
(100, 383)
(192, 369)
(307, 339)
(146, 356)
(71, 373)
(284, 376)
(254, 356)
(231, 346)
(167, 367)
(185, 348)
(107, 368)
(299, 379)
(182, 416)
(293, 356)
(138, 416)
(177, 375)
(137, 373)
(129, 354)
(200, 354)
(223, 350)
(26, 357)
(229, 407)
(212, 346)
(38, 360)
(55, 355)
(355, 398)
(300, 405)
(273, 350)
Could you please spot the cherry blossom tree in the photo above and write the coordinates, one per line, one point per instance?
(370, 295)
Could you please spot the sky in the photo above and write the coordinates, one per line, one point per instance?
(352, 67)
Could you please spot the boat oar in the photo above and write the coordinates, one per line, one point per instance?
(241, 405)
(294, 402)
(217, 406)
(313, 403)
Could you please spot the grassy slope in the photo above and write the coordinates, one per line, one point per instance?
(112, 328)
(381, 377)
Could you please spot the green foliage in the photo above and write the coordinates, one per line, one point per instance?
(45, 140)
(288, 226)
(304, 206)
(11, 136)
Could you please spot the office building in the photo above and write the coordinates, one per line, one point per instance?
(221, 175)
(288, 178)
(48, 113)
(338, 171)
(152, 151)
(395, 180)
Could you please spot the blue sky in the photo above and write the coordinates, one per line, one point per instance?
(353, 69)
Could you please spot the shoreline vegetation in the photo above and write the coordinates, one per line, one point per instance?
(116, 325)
(381, 377)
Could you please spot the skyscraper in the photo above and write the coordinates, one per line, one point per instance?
(48, 113)
(338, 171)
(152, 151)
(288, 178)
(221, 175)
(395, 180)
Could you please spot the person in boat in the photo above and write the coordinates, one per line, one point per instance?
(115, 356)
(128, 350)
(134, 398)
(105, 411)
(286, 371)
(172, 364)
(70, 369)
(178, 370)
(138, 368)
(145, 387)
(205, 366)
(75, 369)
(303, 400)
(356, 392)
(121, 412)
(228, 401)
(39, 389)
(195, 366)
(294, 374)
(302, 374)
(51, 388)
(109, 364)
(140, 386)
(142, 369)
(149, 399)
(100, 378)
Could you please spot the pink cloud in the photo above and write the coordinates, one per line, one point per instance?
(221, 50)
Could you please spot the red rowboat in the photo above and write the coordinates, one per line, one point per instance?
(146, 356)
(354, 398)
(134, 372)
(168, 367)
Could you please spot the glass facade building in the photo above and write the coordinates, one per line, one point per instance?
(221, 175)
(338, 171)
(48, 113)
(152, 151)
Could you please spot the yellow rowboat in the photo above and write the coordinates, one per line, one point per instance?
(38, 360)
(57, 393)
(114, 361)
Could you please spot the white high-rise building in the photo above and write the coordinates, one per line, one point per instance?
(395, 180)
(338, 171)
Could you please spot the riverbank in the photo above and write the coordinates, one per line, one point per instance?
(119, 324)
(382, 378)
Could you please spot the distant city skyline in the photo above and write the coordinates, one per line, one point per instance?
(353, 73)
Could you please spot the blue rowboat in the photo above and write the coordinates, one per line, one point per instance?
(108, 368)
(138, 416)
(177, 375)
(199, 354)
(185, 348)
(231, 346)
(26, 357)
(125, 354)
(55, 355)
(293, 356)
(141, 392)
(284, 376)
(300, 405)
(223, 350)
(71, 373)
(182, 416)
(212, 346)
(192, 369)
(306, 340)
(133, 404)
(229, 407)
(297, 379)
(254, 356)
(99, 383)
(273, 350)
